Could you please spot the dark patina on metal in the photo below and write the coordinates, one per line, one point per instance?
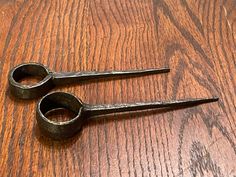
(51, 79)
(83, 112)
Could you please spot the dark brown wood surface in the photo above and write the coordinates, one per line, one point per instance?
(195, 38)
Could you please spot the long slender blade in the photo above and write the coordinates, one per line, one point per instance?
(108, 109)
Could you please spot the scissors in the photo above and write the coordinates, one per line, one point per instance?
(51, 79)
(84, 112)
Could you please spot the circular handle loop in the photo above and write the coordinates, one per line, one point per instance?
(59, 130)
(30, 91)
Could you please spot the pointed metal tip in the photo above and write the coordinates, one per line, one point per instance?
(166, 69)
(205, 100)
(213, 99)
(195, 101)
(159, 70)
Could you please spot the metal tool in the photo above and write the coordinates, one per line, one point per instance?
(84, 112)
(51, 79)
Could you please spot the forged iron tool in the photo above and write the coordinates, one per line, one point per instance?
(51, 79)
(83, 112)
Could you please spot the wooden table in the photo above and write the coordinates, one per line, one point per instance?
(196, 39)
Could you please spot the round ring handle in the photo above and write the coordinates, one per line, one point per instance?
(30, 91)
(59, 130)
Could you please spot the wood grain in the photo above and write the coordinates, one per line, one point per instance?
(196, 39)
